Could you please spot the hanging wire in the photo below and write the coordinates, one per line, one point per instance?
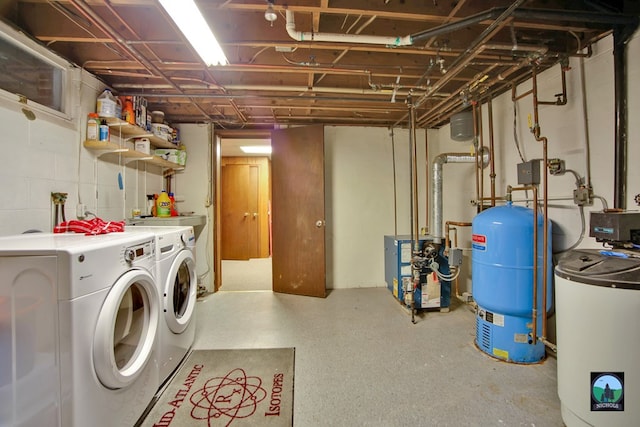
(515, 132)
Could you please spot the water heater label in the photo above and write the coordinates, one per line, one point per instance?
(607, 391)
(493, 318)
(479, 242)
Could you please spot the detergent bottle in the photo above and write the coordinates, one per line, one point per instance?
(163, 205)
(128, 115)
(174, 210)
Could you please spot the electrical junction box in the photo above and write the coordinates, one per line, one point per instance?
(529, 172)
(455, 256)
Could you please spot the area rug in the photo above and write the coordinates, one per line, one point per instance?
(228, 388)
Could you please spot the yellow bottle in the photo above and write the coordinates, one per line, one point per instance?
(163, 205)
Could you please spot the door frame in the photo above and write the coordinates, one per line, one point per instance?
(219, 134)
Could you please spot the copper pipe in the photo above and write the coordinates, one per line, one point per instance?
(562, 97)
(479, 168)
(515, 97)
(543, 139)
(474, 109)
(545, 198)
(534, 310)
(448, 242)
(497, 198)
(395, 186)
(436, 113)
(447, 228)
(474, 48)
(414, 173)
(415, 239)
(129, 28)
(492, 166)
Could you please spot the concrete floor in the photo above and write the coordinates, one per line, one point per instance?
(250, 275)
(361, 362)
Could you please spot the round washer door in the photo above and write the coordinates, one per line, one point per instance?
(126, 330)
(180, 290)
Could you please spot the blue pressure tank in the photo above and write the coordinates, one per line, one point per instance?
(502, 274)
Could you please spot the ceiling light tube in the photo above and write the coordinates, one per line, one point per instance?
(190, 21)
(256, 149)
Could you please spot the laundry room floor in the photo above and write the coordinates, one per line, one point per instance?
(360, 361)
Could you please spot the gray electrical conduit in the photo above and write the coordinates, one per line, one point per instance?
(436, 185)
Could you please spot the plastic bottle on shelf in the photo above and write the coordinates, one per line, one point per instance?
(93, 123)
(151, 203)
(106, 104)
(154, 209)
(163, 205)
(103, 133)
(128, 115)
(174, 210)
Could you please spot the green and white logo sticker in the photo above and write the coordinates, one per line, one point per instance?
(607, 391)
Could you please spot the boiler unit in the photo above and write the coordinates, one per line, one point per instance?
(503, 278)
(433, 287)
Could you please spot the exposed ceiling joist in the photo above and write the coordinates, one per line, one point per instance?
(273, 79)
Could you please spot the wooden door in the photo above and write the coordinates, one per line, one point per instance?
(239, 204)
(298, 211)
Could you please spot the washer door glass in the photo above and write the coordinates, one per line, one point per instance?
(180, 292)
(126, 329)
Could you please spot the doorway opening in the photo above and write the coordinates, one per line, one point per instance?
(245, 214)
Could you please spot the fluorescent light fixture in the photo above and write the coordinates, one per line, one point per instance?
(256, 149)
(188, 18)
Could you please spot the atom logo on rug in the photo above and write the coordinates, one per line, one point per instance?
(233, 396)
(230, 388)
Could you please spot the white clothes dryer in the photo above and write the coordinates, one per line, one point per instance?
(178, 288)
(78, 329)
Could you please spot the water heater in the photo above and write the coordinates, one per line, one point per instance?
(502, 275)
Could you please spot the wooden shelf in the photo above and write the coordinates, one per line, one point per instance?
(128, 131)
(106, 147)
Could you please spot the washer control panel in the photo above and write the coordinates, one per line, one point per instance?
(139, 252)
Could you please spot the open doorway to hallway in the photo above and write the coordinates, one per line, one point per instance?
(251, 275)
(245, 215)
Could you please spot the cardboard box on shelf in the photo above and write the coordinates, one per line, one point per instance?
(173, 155)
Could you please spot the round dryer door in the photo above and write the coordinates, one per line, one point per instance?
(126, 330)
(180, 292)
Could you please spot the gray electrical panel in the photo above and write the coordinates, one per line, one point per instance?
(529, 172)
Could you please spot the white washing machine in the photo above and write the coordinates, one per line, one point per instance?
(178, 287)
(78, 328)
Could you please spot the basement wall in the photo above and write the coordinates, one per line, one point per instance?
(47, 155)
(566, 129)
